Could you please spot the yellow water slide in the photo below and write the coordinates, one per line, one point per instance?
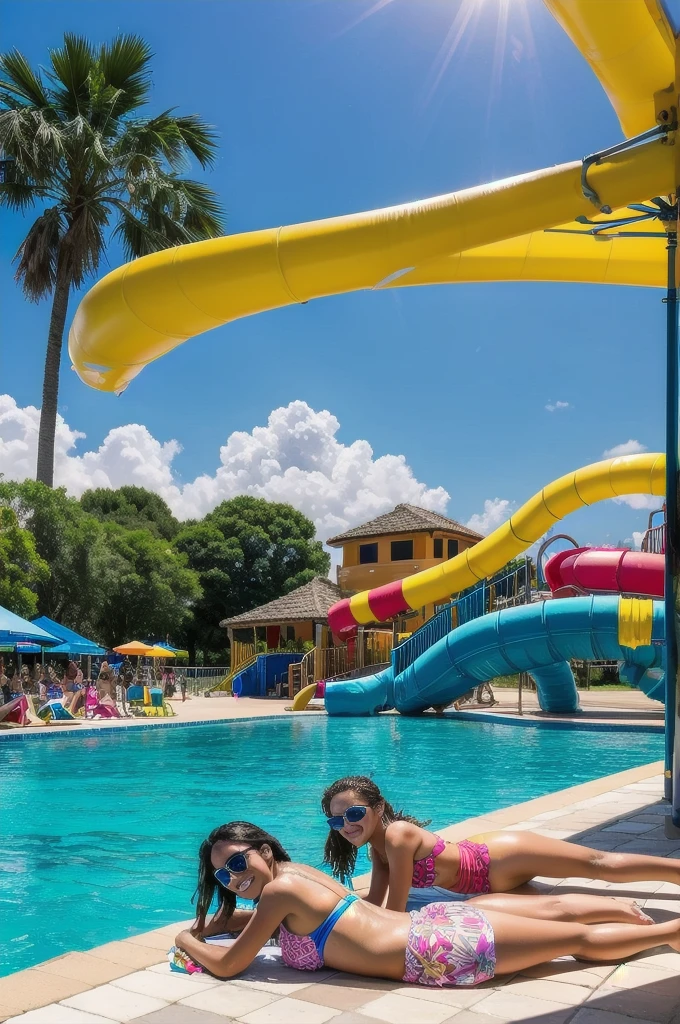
(529, 227)
(611, 478)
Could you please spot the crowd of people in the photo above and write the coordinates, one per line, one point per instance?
(103, 695)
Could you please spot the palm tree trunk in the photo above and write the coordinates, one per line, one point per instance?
(48, 413)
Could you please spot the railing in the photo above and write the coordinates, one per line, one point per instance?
(654, 540)
(370, 647)
(501, 591)
(199, 678)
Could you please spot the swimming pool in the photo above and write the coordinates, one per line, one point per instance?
(100, 832)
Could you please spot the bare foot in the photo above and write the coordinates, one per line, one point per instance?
(634, 912)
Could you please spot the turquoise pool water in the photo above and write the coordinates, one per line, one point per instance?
(100, 833)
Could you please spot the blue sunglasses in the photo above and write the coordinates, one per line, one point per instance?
(236, 865)
(351, 816)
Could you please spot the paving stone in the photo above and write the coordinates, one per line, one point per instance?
(27, 990)
(83, 967)
(290, 1011)
(170, 988)
(628, 825)
(350, 1017)
(6, 1012)
(637, 975)
(398, 1009)
(591, 1016)
(668, 959)
(340, 996)
(648, 1002)
(228, 999)
(570, 972)
(553, 991)
(128, 954)
(57, 1014)
(109, 1001)
(653, 847)
(516, 1006)
(175, 1014)
(453, 997)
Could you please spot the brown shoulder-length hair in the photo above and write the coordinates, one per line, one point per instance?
(339, 853)
(233, 832)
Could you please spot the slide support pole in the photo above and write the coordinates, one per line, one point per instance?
(672, 573)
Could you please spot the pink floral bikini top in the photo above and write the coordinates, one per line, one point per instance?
(473, 871)
(424, 869)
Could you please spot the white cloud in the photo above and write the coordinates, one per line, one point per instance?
(556, 406)
(295, 458)
(631, 447)
(496, 511)
(636, 539)
(640, 501)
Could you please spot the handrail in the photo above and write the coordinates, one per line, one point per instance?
(499, 591)
(226, 683)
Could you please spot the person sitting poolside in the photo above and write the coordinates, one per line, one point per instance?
(404, 854)
(321, 924)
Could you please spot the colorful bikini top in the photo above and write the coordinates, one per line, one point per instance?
(305, 952)
(424, 869)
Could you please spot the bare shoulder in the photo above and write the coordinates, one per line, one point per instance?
(403, 834)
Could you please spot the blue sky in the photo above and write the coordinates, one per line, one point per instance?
(322, 110)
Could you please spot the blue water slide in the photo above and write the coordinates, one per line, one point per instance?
(538, 638)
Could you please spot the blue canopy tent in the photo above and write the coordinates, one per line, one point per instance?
(15, 630)
(71, 642)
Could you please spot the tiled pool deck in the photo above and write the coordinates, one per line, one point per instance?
(130, 981)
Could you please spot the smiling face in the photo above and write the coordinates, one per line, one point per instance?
(358, 833)
(259, 867)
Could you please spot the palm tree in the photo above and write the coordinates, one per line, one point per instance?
(76, 145)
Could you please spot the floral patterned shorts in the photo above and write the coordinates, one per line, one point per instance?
(449, 944)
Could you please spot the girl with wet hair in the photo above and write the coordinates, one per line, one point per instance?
(404, 854)
(321, 923)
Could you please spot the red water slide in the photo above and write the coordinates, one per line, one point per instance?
(605, 570)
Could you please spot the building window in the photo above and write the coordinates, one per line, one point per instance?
(402, 550)
(368, 553)
(452, 548)
(438, 547)
(290, 633)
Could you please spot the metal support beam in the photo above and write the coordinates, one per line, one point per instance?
(672, 580)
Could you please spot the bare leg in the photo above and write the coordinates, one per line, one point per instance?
(521, 943)
(518, 856)
(569, 907)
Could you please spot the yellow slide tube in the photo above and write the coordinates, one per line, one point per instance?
(144, 309)
(630, 47)
(612, 478)
(548, 256)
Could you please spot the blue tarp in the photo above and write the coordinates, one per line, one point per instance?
(72, 642)
(264, 674)
(15, 630)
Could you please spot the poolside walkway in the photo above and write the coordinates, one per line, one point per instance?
(608, 707)
(130, 982)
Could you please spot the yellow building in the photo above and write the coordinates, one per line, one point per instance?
(395, 545)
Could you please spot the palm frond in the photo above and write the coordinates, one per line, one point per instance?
(73, 65)
(204, 214)
(199, 138)
(35, 143)
(125, 66)
(37, 255)
(18, 195)
(19, 79)
(150, 138)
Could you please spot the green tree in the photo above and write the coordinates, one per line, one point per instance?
(65, 536)
(132, 507)
(247, 551)
(21, 567)
(146, 588)
(81, 150)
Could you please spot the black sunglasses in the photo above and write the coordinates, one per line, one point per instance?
(236, 865)
(351, 815)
